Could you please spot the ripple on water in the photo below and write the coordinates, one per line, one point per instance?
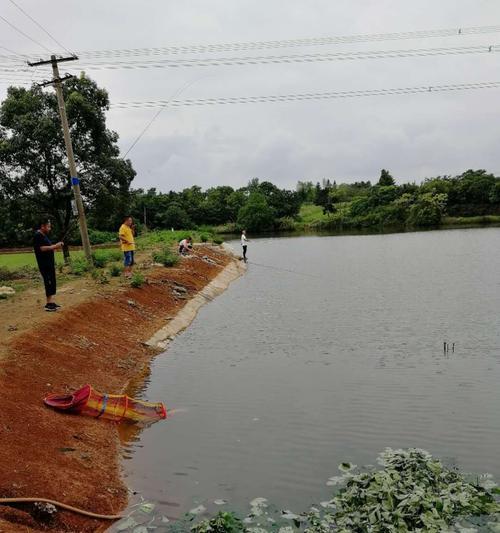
(285, 376)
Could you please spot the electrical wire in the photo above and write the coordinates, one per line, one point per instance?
(296, 58)
(305, 96)
(150, 123)
(289, 43)
(24, 34)
(40, 26)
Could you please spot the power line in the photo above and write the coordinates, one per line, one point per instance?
(306, 96)
(24, 34)
(289, 43)
(40, 26)
(295, 58)
(257, 45)
(150, 123)
(12, 52)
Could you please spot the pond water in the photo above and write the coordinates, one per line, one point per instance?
(329, 349)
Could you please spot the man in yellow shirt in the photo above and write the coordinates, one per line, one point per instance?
(127, 244)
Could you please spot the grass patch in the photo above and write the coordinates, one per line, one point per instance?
(310, 213)
(102, 257)
(23, 272)
(22, 259)
(467, 221)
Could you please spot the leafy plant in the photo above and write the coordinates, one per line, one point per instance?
(6, 274)
(79, 266)
(102, 257)
(165, 257)
(115, 270)
(137, 280)
(218, 240)
(100, 277)
(203, 237)
(222, 522)
(411, 492)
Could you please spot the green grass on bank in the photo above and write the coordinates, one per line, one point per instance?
(22, 259)
(145, 241)
(466, 221)
(310, 213)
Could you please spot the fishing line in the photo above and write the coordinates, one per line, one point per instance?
(279, 269)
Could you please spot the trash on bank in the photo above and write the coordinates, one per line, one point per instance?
(117, 407)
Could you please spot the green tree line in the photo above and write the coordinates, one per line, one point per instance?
(34, 182)
(386, 204)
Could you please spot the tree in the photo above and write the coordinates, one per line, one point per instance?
(428, 210)
(305, 190)
(385, 178)
(175, 217)
(495, 193)
(256, 215)
(33, 163)
(216, 209)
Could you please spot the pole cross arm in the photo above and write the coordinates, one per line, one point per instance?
(55, 80)
(50, 61)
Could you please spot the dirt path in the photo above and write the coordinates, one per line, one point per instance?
(97, 338)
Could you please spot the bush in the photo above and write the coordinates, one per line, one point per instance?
(115, 271)
(137, 280)
(100, 277)
(256, 215)
(165, 257)
(218, 240)
(102, 237)
(6, 274)
(286, 224)
(79, 266)
(102, 257)
(203, 237)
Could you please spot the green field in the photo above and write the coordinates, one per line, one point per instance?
(28, 259)
(310, 213)
(143, 242)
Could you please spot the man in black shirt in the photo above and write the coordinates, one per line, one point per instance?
(44, 252)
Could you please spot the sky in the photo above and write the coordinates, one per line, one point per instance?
(414, 136)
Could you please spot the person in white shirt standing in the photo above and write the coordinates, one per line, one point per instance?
(244, 241)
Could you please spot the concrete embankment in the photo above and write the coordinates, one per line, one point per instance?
(107, 341)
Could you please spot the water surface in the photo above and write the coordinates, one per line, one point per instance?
(329, 349)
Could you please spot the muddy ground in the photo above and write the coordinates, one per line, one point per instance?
(98, 338)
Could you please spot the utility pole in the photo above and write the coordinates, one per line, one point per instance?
(75, 181)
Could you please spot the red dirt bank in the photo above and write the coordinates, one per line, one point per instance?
(68, 458)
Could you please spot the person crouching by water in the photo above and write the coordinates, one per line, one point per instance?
(44, 253)
(185, 245)
(127, 244)
(244, 245)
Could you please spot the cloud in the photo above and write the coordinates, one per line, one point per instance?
(415, 136)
